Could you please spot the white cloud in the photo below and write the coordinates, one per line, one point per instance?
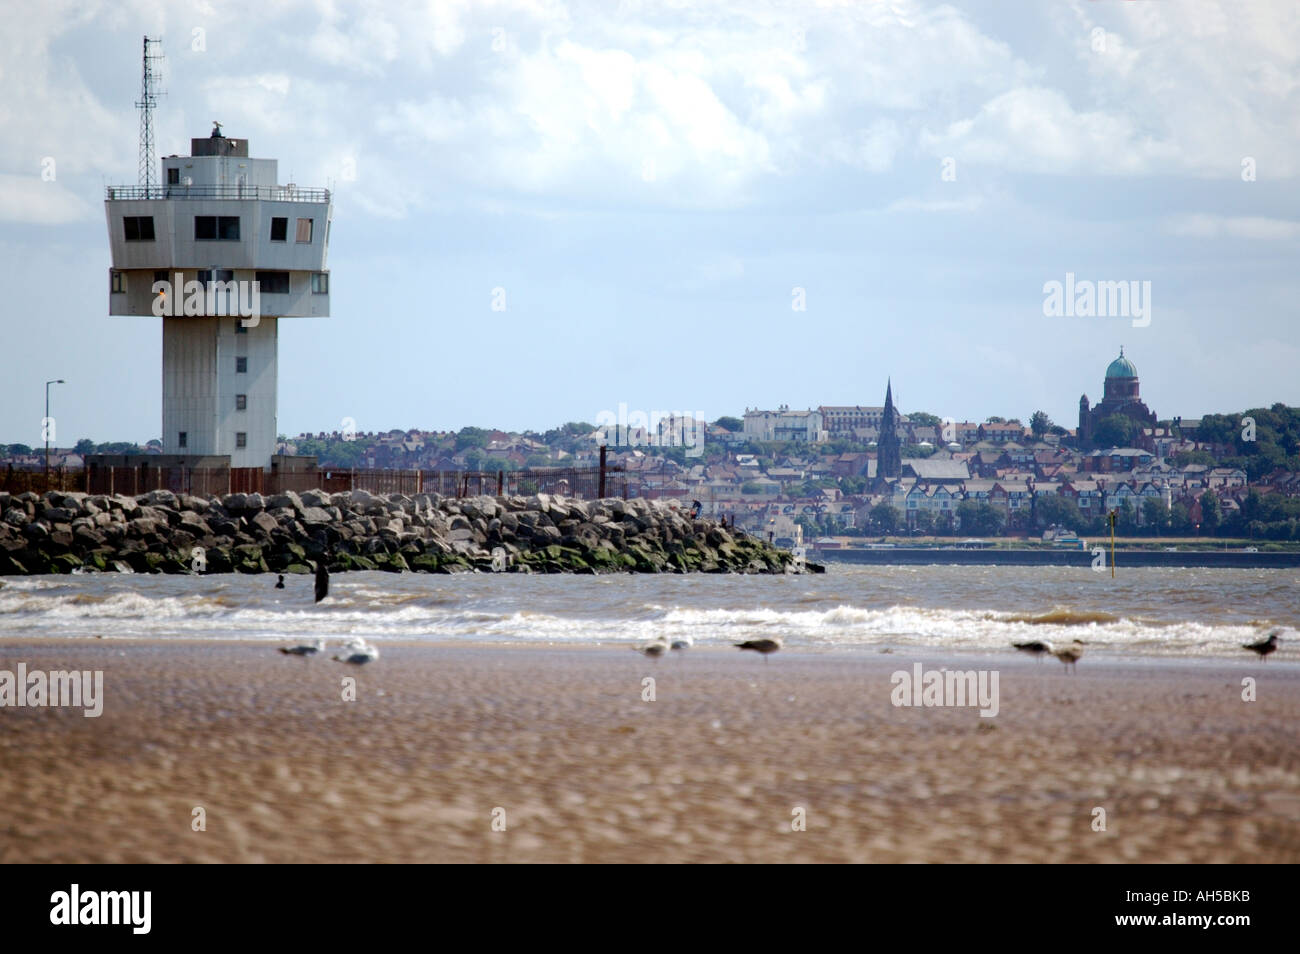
(31, 200)
(968, 203)
(1242, 227)
(1037, 130)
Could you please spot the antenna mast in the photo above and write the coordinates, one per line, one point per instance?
(149, 93)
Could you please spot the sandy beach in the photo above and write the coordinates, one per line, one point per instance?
(557, 744)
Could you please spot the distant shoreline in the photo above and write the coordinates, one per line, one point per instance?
(919, 556)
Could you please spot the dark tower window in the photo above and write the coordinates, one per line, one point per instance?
(241, 402)
(241, 439)
(173, 177)
(241, 365)
(182, 439)
(216, 227)
(273, 283)
(279, 229)
(138, 228)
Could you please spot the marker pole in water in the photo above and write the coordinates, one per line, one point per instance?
(1112, 515)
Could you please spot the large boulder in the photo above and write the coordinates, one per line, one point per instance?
(285, 501)
(315, 498)
(160, 498)
(193, 523)
(264, 522)
(312, 516)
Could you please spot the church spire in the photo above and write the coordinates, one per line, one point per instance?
(889, 459)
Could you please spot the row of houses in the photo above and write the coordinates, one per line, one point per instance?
(1014, 501)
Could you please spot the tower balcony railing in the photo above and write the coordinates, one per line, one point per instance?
(289, 193)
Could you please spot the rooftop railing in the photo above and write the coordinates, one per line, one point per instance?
(268, 193)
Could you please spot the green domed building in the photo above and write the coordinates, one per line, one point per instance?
(1120, 396)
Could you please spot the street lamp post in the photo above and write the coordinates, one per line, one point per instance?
(46, 428)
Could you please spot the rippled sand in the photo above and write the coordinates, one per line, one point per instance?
(584, 770)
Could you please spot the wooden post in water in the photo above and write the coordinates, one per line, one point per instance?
(1113, 514)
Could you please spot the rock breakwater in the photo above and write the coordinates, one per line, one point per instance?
(163, 532)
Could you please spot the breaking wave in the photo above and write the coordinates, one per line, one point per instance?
(940, 607)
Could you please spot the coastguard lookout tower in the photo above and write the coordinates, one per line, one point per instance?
(220, 252)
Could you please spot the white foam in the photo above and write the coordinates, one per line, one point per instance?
(855, 610)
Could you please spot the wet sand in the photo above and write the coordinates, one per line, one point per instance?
(557, 743)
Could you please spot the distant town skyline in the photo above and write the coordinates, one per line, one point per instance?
(546, 212)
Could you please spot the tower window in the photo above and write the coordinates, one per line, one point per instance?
(279, 229)
(241, 365)
(241, 402)
(273, 283)
(241, 439)
(216, 227)
(173, 177)
(183, 439)
(216, 275)
(118, 282)
(320, 283)
(241, 328)
(138, 228)
(304, 230)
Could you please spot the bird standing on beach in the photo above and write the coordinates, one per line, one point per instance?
(1036, 648)
(683, 642)
(322, 579)
(1070, 655)
(1264, 646)
(764, 646)
(306, 649)
(655, 648)
(358, 652)
(279, 583)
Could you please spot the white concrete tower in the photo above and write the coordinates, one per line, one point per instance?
(221, 221)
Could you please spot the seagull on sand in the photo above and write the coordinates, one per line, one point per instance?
(766, 645)
(655, 648)
(1036, 648)
(1070, 655)
(358, 652)
(306, 649)
(1264, 646)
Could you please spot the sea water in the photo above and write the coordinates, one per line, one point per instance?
(1143, 611)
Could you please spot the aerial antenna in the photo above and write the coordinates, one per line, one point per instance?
(149, 93)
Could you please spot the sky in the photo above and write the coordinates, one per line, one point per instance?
(543, 209)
